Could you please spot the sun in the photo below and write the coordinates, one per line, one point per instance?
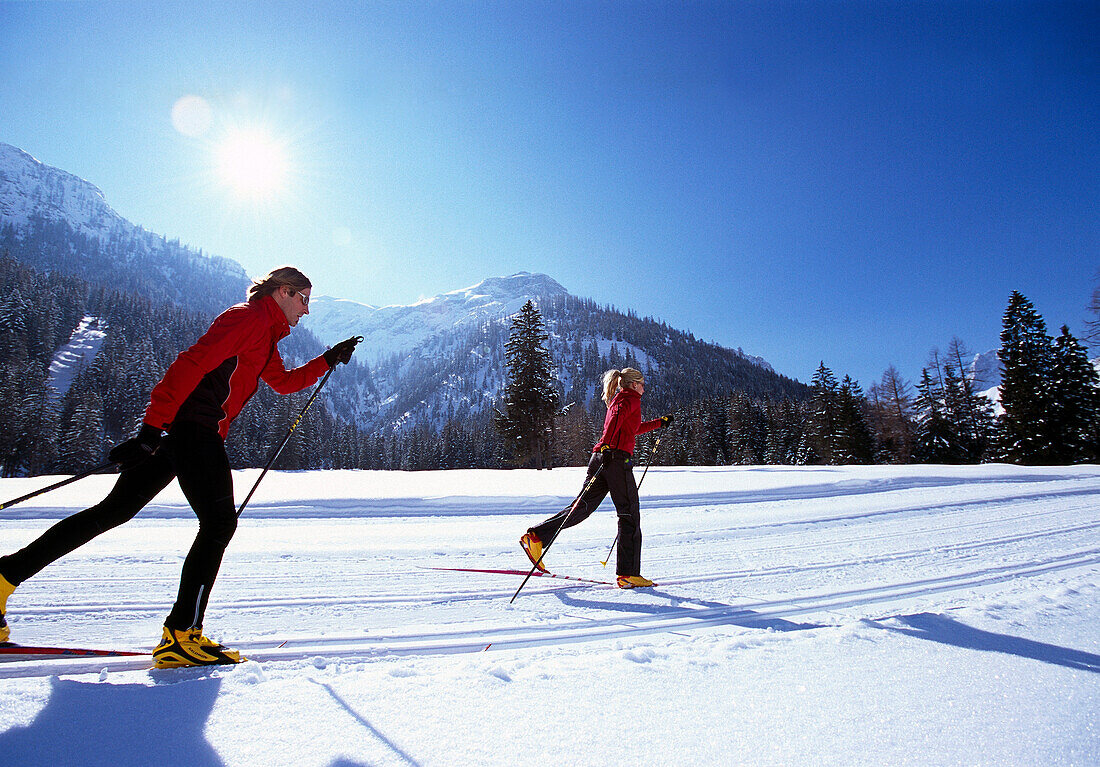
(252, 163)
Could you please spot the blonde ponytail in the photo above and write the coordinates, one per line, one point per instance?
(613, 379)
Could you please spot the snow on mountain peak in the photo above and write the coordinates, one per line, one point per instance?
(399, 329)
(984, 370)
(501, 290)
(29, 187)
(34, 197)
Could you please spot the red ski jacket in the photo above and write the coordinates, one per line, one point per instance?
(624, 422)
(212, 381)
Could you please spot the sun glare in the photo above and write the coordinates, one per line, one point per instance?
(192, 116)
(252, 163)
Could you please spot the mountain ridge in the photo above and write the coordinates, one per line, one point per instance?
(399, 328)
(426, 365)
(65, 195)
(56, 221)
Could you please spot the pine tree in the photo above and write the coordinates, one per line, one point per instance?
(530, 398)
(22, 424)
(892, 418)
(1093, 325)
(970, 417)
(935, 440)
(747, 431)
(81, 445)
(40, 456)
(573, 436)
(824, 426)
(977, 425)
(786, 433)
(698, 444)
(1076, 394)
(1027, 426)
(854, 435)
(13, 327)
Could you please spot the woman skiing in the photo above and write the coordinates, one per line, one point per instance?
(609, 471)
(196, 401)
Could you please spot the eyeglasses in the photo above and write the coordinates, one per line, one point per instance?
(302, 297)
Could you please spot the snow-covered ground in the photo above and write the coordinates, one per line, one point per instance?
(817, 616)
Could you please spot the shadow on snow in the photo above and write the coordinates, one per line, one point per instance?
(737, 616)
(92, 724)
(99, 724)
(946, 630)
(405, 758)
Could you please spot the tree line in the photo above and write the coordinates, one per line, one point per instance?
(727, 409)
(1049, 410)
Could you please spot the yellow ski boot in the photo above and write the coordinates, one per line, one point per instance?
(190, 648)
(5, 591)
(634, 582)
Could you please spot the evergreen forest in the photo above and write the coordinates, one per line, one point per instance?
(440, 407)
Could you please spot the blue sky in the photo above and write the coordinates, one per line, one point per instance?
(848, 182)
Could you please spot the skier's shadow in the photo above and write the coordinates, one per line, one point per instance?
(947, 630)
(732, 614)
(96, 723)
(393, 747)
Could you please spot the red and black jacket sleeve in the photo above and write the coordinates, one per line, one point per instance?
(212, 381)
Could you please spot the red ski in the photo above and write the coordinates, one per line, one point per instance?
(13, 651)
(537, 574)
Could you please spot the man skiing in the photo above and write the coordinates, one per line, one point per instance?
(196, 401)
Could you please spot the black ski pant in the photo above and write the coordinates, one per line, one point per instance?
(616, 478)
(196, 456)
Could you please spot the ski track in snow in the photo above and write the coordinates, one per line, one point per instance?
(868, 551)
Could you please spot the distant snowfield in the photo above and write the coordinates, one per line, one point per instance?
(77, 354)
(811, 615)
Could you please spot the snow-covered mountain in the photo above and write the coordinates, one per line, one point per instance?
(29, 189)
(984, 374)
(397, 330)
(435, 361)
(55, 221)
(442, 358)
(984, 370)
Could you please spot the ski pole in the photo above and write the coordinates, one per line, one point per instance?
(56, 485)
(572, 508)
(290, 431)
(640, 481)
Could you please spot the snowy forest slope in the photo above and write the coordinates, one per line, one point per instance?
(428, 368)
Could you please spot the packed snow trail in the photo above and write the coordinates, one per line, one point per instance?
(678, 619)
(355, 583)
(951, 609)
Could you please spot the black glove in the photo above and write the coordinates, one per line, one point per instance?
(342, 351)
(135, 451)
(665, 421)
